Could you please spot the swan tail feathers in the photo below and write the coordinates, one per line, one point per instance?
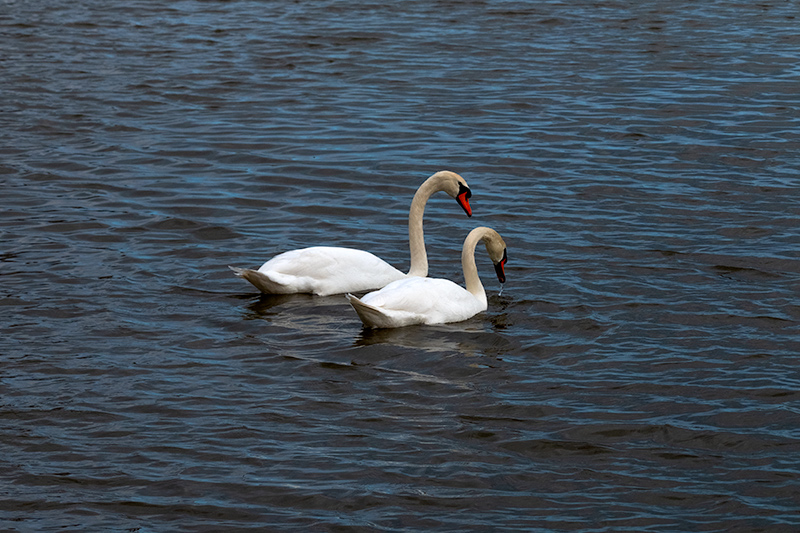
(260, 281)
(238, 271)
(371, 316)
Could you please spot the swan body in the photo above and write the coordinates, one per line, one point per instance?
(325, 270)
(418, 300)
(321, 270)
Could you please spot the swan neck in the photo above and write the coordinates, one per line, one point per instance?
(471, 278)
(416, 237)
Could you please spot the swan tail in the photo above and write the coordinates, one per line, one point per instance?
(260, 281)
(376, 317)
(238, 271)
(371, 316)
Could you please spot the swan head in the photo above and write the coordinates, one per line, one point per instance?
(496, 247)
(456, 187)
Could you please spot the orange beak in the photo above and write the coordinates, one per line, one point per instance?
(463, 197)
(500, 268)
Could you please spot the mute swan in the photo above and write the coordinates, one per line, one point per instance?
(417, 300)
(325, 270)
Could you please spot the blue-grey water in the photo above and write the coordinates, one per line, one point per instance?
(639, 371)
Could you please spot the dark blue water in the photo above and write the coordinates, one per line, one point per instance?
(639, 371)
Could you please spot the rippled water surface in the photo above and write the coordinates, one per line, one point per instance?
(639, 371)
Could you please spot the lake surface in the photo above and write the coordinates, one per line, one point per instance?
(639, 371)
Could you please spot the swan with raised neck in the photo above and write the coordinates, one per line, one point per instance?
(446, 181)
(325, 270)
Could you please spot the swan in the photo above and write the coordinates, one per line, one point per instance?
(417, 300)
(326, 270)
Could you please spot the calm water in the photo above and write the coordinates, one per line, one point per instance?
(638, 373)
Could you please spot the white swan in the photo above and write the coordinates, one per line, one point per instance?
(434, 301)
(325, 270)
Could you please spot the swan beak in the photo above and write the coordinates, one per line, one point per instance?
(463, 197)
(500, 268)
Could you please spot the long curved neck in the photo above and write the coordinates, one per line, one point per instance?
(416, 238)
(471, 279)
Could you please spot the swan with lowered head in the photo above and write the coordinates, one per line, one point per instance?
(418, 300)
(325, 270)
